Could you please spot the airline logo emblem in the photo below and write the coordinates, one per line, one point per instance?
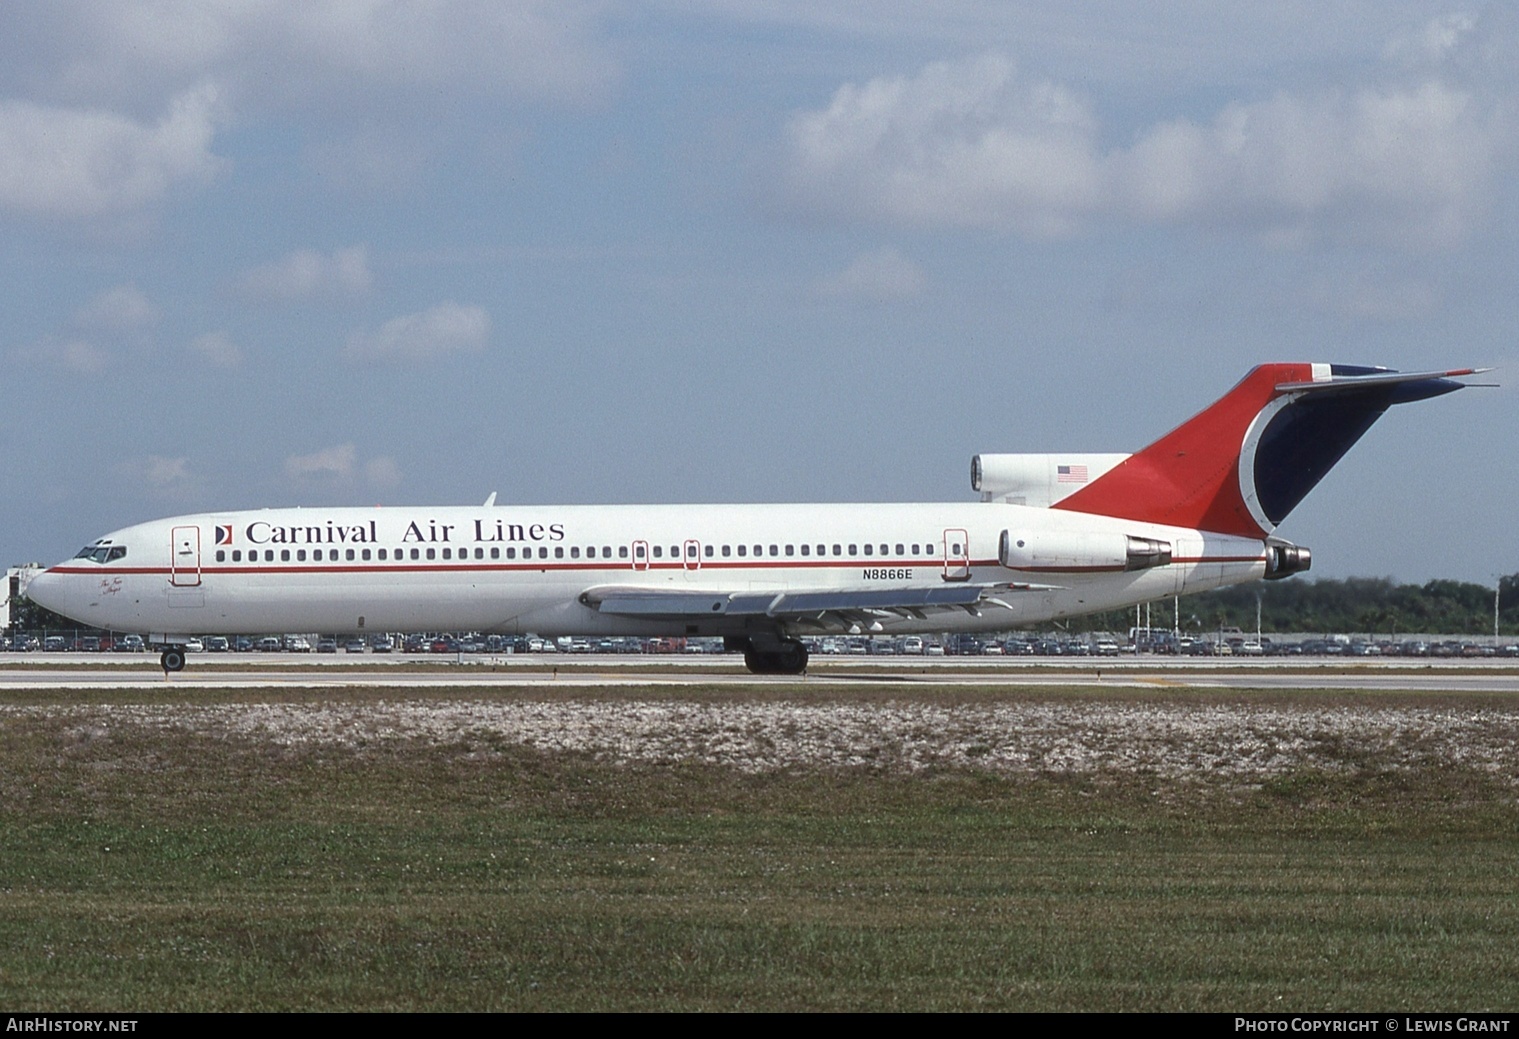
(224, 534)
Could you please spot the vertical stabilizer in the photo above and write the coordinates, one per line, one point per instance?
(1242, 464)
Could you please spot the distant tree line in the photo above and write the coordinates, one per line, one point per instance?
(1375, 605)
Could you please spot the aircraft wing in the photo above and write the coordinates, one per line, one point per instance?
(824, 608)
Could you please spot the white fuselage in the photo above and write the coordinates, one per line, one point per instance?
(525, 570)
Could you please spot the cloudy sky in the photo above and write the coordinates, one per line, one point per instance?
(264, 254)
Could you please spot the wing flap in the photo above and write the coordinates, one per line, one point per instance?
(801, 604)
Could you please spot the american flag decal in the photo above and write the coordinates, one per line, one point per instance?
(1070, 474)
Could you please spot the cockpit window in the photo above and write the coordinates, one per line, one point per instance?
(102, 553)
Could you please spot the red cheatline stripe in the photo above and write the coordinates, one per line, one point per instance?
(610, 566)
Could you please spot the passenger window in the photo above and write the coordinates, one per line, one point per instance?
(221, 556)
(416, 553)
(659, 551)
(868, 548)
(900, 551)
(743, 550)
(237, 555)
(575, 552)
(300, 555)
(349, 555)
(707, 549)
(854, 550)
(622, 552)
(268, 555)
(727, 551)
(558, 552)
(432, 553)
(838, 550)
(365, 554)
(789, 550)
(805, 549)
(543, 553)
(448, 553)
(511, 553)
(383, 556)
(284, 555)
(495, 552)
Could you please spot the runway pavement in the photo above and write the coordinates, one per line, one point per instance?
(38, 672)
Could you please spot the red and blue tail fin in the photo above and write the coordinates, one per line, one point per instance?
(1241, 465)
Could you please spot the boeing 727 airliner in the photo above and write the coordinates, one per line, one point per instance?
(1053, 536)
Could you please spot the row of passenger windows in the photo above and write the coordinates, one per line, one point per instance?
(639, 552)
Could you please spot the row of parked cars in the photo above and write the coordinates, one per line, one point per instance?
(1051, 645)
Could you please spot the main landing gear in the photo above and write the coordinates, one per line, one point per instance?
(771, 656)
(172, 659)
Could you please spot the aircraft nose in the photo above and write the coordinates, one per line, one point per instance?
(50, 591)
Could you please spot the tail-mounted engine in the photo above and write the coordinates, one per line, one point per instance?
(1075, 552)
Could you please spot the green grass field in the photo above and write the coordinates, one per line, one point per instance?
(199, 866)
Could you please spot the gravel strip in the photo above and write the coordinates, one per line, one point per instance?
(1231, 742)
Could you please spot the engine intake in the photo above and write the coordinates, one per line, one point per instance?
(1037, 480)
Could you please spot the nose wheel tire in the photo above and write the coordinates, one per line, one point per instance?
(172, 659)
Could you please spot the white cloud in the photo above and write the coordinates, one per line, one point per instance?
(218, 348)
(121, 309)
(71, 356)
(881, 275)
(77, 356)
(965, 144)
(306, 275)
(282, 54)
(157, 477)
(975, 144)
(444, 329)
(1402, 164)
(79, 164)
(382, 473)
(328, 463)
(340, 465)
(156, 470)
